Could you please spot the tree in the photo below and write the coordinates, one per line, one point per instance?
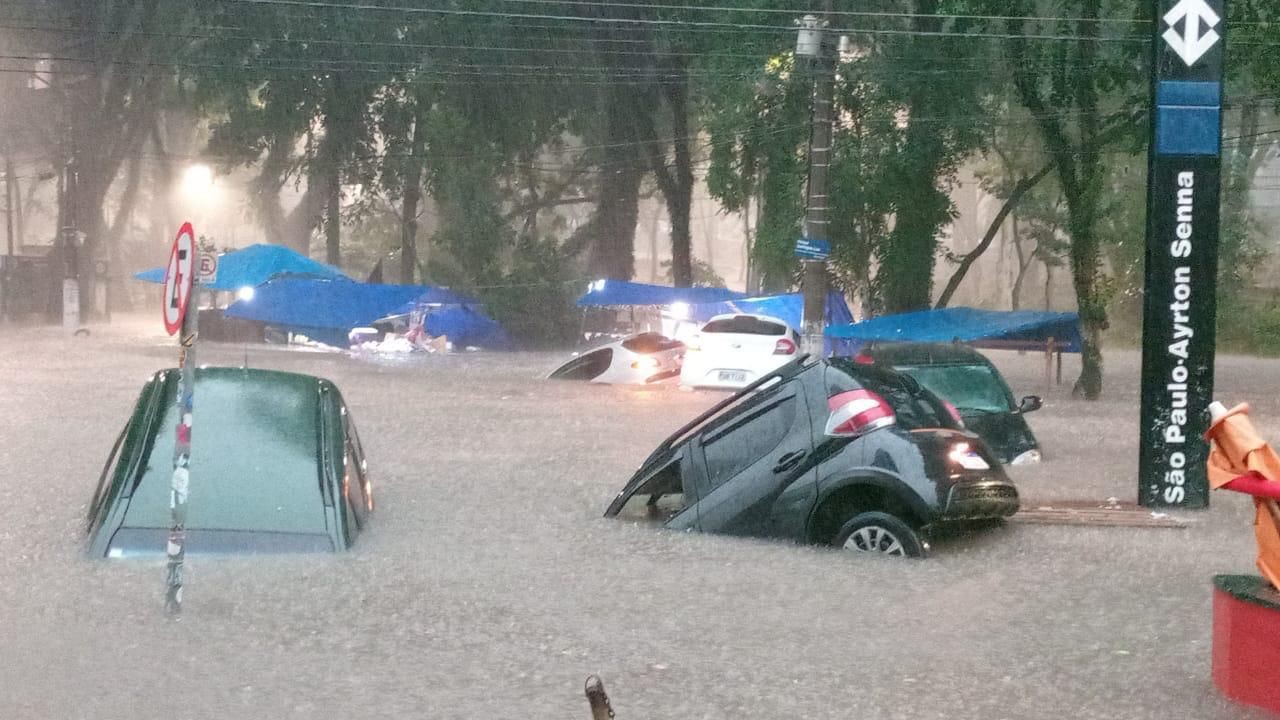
(1066, 86)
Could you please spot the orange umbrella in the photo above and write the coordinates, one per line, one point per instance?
(1240, 460)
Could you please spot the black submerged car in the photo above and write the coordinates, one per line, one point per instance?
(966, 378)
(276, 467)
(822, 451)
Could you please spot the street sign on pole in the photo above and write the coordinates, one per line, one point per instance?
(178, 292)
(178, 279)
(813, 249)
(207, 269)
(1179, 305)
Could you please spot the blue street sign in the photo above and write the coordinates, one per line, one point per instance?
(813, 249)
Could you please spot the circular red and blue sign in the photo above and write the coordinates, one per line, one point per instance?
(179, 275)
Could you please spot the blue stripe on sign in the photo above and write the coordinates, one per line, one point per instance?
(1188, 130)
(1188, 93)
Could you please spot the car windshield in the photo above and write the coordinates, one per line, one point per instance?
(968, 387)
(745, 325)
(255, 465)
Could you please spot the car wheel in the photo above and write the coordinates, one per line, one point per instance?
(881, 533)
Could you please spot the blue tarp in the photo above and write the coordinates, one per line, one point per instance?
(324, 310)
(466, 326)
(614, 293)
(788, 307)
(256, 264)
(963, 324)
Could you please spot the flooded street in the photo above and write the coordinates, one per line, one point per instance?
(491, 586)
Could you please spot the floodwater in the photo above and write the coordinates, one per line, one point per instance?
(491, 586)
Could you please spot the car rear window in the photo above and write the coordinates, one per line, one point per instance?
(914, 406)
(745, 325)
(254, 461)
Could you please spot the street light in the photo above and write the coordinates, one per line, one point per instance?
(197, 179)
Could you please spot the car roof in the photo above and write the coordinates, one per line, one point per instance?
(766, 318)
(910, 353)
(255, 453)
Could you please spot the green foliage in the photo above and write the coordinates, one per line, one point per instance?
(534, 300)
(703, 274)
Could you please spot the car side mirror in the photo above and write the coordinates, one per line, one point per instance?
(1030, 403)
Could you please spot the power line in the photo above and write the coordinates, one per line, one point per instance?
(688, 26)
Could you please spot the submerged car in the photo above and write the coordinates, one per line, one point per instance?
(967, 379)
(637, 360)
(827, 452)
(276, 467)
(732, 351)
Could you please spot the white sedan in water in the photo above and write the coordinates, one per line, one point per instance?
(731, 351)
(637, 360)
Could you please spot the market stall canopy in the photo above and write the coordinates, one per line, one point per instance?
(616, 293)
(324, 310)
(466, 326)
(963, 324)
(789, 307)
(255, 265)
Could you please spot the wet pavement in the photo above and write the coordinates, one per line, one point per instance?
(491, 587)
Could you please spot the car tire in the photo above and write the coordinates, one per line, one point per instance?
(879, 533)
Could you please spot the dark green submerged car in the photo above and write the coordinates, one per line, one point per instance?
(967, 379)
(276, 467)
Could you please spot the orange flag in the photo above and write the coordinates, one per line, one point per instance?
(1236, 449)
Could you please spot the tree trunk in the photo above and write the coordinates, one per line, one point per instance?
(1079, 173)
(905, 278)
(612, 231)
(676, 183)
(117, 295)
(1015, 296)
(333, 215)
(412, 196)
(1015, 196)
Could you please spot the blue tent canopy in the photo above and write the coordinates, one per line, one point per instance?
(614, 293)
(789, 307)
(327, 310)
(465, 326)
(324, 310)
(963, 324)
(255, 265)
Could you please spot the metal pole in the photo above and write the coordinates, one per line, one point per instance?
(815, 221)
(598, 699)
(178, 487)
(6, 272)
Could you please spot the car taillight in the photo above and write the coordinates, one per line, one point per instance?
(784, 346)
(954, 413)
(857, 412)
(863, 359)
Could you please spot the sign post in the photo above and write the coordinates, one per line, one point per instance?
(1179, 310)
(180, 318)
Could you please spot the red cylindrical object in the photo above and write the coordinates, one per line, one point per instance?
(1246, 640)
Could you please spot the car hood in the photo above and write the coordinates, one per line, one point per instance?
(1007, 433)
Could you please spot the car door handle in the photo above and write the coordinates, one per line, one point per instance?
(788, 461)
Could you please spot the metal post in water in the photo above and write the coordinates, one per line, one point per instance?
(178, 488)
(598, 699)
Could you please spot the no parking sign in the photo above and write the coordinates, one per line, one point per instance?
(178, 279)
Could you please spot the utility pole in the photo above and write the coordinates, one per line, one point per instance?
(815, 247)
